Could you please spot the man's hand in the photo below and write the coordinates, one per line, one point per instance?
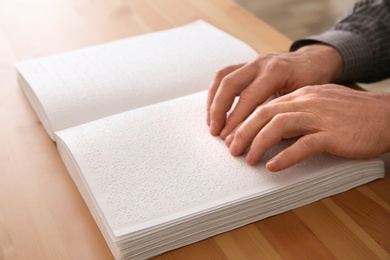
(329, 118)
(269, 74)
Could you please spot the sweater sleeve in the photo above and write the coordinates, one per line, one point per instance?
(362, 37)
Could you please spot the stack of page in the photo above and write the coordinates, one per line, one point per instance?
(129, 119)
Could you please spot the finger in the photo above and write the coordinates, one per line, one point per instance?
(303, 148)
(253, 96)
(285, 125)
(246, 133)
(215, 84)
(229, 139)
(230, 87)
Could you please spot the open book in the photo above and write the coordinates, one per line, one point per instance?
(128, 118)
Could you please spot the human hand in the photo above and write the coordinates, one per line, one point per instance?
(259, 79)
(329, 118)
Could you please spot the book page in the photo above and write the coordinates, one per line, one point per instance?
(159, 164)
(95, 82)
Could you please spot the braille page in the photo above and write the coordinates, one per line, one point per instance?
(159, 164)
(95, 82)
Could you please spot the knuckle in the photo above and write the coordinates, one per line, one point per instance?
(228, 81)
(240, 135)
(303, 91)
(262, 111)
(260, 58)
(278, 120)
(274, 62)
(223, 72)
(309, 143)
(307, 90)
(219, 75)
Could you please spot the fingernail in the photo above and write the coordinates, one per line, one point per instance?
(233, 148)
(272, 165)
(229, 139)
(213, 127)
(224, 133)
(249, 158)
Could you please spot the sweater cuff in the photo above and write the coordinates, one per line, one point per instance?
(354, 50)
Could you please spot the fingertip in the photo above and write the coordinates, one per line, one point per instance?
(229, 140)
(278, 163)
(214, 128)
(250, 159)
(233, 148)
(225, 132)
(273, 165)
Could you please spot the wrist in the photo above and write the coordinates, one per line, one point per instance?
(327, 59)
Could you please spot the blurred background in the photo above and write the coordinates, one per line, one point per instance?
(300, 18)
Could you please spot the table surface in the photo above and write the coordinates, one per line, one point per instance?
(42, 215)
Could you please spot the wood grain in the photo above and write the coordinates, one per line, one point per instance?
(42, 215)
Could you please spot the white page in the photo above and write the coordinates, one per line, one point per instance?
(159, 163)
(91, 83)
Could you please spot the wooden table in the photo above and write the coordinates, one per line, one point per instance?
(42, 215)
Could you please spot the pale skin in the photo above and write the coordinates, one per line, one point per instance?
(327, 117)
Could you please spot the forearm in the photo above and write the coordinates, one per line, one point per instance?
(327, 58)
(362, 38)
